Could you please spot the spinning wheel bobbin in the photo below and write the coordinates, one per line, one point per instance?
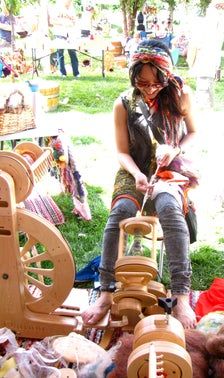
(137, 227)
(40, 159)
(141, 226)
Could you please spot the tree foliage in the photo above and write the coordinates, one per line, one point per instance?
(203, 5)
(14, 6)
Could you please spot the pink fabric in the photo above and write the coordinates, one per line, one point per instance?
(44, 206)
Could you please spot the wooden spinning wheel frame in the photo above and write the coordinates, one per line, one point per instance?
(37, 268)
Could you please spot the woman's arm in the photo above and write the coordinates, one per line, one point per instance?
(122, 144)
(167, 155)
(189, 139)
(6, 27)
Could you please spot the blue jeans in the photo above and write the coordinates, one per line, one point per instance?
(73, 59)
(176, 240)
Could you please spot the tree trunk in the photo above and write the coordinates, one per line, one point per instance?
(129, 10)
(131, 24)
(124, 14)
(13, 44)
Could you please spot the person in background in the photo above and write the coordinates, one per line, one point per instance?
(163, 35)
(140, 18)
(5, 26)
(141, 27)
(63, 29)
(181, 42)
(154, 27)
(145, 148)
(131, 45)
(204, 53)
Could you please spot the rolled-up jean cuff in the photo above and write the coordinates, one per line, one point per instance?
(180, 292)
(110, 289)
(60, 37)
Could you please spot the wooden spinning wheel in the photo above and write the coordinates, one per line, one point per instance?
(37, 269)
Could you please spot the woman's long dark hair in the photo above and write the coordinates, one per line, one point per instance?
(169, 100)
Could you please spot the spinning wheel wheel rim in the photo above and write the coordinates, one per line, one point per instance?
(57, 251)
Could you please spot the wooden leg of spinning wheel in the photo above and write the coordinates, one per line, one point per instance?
(121, 245)
(154, 240)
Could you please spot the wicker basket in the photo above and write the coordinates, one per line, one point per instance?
(16, 119)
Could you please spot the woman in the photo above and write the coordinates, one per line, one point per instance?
(147, 143)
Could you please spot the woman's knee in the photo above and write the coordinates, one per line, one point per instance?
(125, 208)
(165, 203)
(170, 213)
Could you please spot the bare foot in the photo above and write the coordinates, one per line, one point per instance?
(183, 312)
(99, 309)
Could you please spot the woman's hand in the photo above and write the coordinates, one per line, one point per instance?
(141, 182)
(165, 154)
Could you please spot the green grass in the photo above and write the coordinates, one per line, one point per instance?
(207, 264)
(219, 95)
(91, 93)
(83, 237)
(84, 140)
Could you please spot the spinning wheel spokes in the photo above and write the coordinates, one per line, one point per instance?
(36, 263)
(48, 266)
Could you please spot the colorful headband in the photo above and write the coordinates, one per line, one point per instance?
(156, 56)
